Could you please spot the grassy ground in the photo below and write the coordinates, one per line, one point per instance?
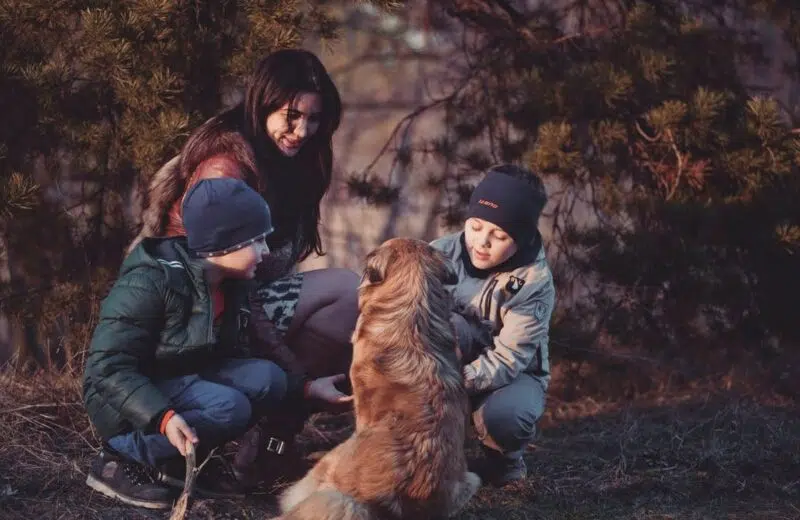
(693, 454)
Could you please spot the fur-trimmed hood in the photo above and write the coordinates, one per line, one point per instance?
(171, 180)
(229, 154)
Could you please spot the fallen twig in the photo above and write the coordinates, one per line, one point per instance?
(182, 505)
(192, 470)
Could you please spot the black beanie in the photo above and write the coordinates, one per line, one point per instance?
(222, 215)
(508, 202)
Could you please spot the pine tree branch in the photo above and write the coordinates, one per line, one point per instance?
(483, 15)
(648, 138)
(681, 161)
(590, 32)
(514, 15)
(408, 118)
(486, 19)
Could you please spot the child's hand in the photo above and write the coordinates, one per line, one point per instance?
(180, 434)
(324, 388)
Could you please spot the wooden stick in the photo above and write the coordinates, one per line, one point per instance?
(182, 505)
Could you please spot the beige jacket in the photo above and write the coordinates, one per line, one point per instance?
(519, 304)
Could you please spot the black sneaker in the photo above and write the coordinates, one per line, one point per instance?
(508, 472)
(129, 482)
(215, 479)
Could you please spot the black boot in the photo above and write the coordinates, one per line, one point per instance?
(215, 479)
(267, 457)
(499, 469)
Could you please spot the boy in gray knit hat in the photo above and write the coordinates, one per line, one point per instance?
(506, 293)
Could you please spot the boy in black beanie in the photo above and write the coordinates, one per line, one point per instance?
(168, 363)
(506, 295)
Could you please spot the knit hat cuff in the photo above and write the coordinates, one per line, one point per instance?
(231, 249)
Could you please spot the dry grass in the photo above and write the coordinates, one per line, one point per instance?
(689, 455)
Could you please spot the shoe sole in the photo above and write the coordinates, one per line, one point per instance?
(104, 489)
(200, 492)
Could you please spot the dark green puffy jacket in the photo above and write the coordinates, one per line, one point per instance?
(156, 323)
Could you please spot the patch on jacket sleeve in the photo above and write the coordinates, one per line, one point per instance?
(539, 310)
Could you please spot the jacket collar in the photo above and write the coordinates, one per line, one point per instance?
(183, 273)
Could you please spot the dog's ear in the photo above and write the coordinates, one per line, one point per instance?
(375, 269)
(371, 276)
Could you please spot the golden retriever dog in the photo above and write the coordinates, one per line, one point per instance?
(406, 458)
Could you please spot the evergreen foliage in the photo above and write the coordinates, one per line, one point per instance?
(95, 95)
(674, 177)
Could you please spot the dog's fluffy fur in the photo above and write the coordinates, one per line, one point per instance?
(406, 457)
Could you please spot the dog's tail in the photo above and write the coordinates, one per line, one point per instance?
(329, 505)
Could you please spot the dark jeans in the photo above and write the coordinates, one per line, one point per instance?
(220, 405)
(504, 419)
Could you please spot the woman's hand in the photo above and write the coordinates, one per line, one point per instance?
(324, 388)
(180, 434)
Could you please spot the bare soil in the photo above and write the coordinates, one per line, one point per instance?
(700, 453)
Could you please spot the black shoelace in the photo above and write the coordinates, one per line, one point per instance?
(139, 474)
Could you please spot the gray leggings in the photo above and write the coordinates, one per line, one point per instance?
(504, 419)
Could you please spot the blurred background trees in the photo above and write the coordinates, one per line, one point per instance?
(670, 150)
(672, 164)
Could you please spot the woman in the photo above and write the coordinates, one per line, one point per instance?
(279, 141)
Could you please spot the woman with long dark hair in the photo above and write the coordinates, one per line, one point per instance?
(278, 140)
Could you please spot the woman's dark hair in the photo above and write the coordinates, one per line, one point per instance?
(293, 187)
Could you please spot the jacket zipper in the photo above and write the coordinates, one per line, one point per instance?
(486, 297)
(211, 337)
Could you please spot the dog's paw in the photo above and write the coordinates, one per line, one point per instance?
(472, 482)
(464, 489)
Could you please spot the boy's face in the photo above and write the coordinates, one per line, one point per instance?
(242, 263)
(487, 245)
